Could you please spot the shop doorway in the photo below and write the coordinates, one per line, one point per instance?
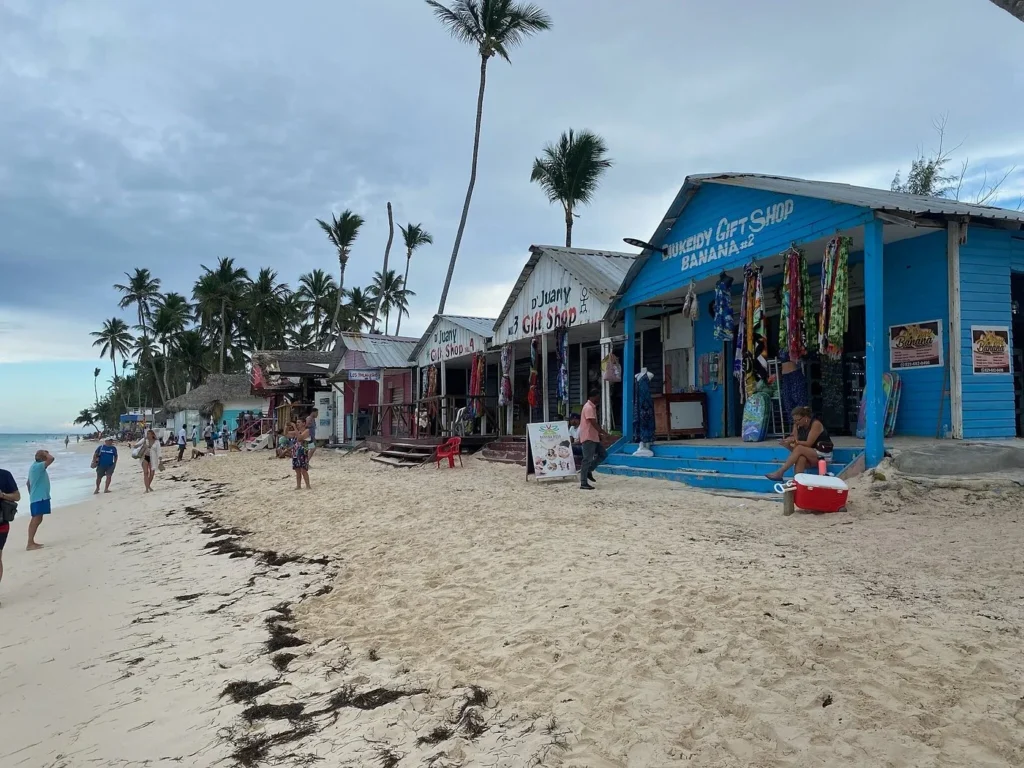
(1017, 337)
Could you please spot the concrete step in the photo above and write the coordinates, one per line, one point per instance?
(396, 462)
(699, 449)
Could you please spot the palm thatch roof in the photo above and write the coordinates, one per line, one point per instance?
(219, 388)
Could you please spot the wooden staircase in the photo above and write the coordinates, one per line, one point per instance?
(406, 455)
(505, 450)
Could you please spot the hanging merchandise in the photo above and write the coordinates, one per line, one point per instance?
(723, 308)
(643, 410)
(835, 295)
(562, 388)
(611, 370)
(796, 328)
(474, 408)
(505, 390)
(533, 396)
(432, 390)
(750, 364)
(691, 305)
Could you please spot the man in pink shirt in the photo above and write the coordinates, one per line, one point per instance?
(590, 439)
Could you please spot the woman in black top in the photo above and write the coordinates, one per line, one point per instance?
(808, 442)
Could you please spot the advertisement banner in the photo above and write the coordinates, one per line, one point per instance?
(990, 348)
(549, 451)
(915, 345)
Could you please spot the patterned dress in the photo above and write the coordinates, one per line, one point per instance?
(643, 411)
(299, 458)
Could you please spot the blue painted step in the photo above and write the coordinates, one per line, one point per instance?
(720, 466)
(749, 452)
(709, 481)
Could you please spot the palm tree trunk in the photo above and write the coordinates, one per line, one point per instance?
(387, 322)
(96, 391)
(469, 189)
(343, 261)
(223, 333)
(568, 227)
(405, 284)
(167, 386)
(113, 364)
(384, 271)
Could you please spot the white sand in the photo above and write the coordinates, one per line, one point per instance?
(640, 625)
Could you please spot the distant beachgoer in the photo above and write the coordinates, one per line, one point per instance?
(9, 494)
(208, 437)
(147, 451)
(105, 460)
(195, 436)
(67, 439)
(78, 438)
(39, 495)
(808, 442)
(224, 435)
(182, 440)
(300, 461)
(590, 438)
(311, 420)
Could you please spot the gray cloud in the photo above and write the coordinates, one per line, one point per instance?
(169, 134)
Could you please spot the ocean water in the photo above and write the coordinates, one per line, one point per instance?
(71, 478)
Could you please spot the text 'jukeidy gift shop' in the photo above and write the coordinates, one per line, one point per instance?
(885, 313)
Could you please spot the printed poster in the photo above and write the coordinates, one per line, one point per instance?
(915, 345)
(990, 348)
(549, 451)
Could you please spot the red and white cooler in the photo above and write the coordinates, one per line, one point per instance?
(820, 493)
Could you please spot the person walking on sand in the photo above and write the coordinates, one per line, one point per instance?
(195, 436)
(39, 495)
(182, 440)
(224, 435)
(147, 451)
(105, 460)
(300, 461)
(9, 496)
(311, 429)
(67, 439)
(590, 435)
(208, 437)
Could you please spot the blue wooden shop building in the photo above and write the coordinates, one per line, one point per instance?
(951, 266)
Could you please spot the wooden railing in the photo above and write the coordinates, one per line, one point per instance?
(392, 419)
(439, 416)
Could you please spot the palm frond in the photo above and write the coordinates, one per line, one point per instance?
(463, 20)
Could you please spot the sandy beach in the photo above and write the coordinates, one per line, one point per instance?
(465, 617)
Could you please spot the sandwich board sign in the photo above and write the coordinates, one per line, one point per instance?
(549, 451)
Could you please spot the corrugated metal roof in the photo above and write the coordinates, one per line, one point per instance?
(366, 350)
(298, 362)
(601, 271)
(481, 326)
(862, 197)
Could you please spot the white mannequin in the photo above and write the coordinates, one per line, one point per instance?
(643, 449)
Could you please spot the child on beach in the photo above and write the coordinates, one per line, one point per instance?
(300, 462)
(39, 494)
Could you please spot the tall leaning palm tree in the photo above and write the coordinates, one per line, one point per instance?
(114, 339)
(219, 293)
(142, 290)
(494, 27)
(390, 293)
(342, 232)
(1016, 7)
(95, 382)
(414, 236)
(570, 171)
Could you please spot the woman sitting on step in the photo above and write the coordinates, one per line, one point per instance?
(808, 442)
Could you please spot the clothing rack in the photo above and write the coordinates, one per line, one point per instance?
(778, 426)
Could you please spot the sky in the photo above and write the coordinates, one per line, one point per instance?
(166, 135)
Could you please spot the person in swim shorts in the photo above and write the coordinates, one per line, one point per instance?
(39, 494)
(105, 457)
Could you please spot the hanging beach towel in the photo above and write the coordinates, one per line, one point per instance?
(562, 344)
(474, 407)
(432, 390)
(834, 318)
(533, 396)
(723, 308)
(505, 390)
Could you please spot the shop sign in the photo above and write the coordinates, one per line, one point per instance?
(449, 341)
(549, 451)
(358, 375)
(990, 348)
(915, 345)
(728, 237)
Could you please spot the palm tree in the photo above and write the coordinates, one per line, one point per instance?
(114, 339)
(169, 321)
(145, 352)
(86, 417)
(190, 352)
(570, 171)
(415, 236)
(494, 27)
(342, 232)
(390, 293)
(219, 293)
(314, 288)
(266, 310)
(95, 381)
(142, 290)
(387, 254)
(357, 310)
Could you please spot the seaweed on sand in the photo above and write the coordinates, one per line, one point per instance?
(243, 691)
(282, 660)
(292, 712)
(251, 750)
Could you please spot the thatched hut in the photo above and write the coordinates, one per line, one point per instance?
(222, 398)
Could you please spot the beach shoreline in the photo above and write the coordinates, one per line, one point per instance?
(467, 617)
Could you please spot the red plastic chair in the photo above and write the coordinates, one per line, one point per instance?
(449, 450)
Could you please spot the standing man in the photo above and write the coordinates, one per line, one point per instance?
(67, 439)
(311, 421)
(39, 495)
(8, 493)
(182, 440)
(195, 435)
(590, 438)
(208, 437)
(106, 459)
(224, 435)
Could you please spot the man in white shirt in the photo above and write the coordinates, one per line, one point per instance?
(182, 439)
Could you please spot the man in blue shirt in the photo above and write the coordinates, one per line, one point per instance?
(39, 495)
(105, 458)
(8, 492)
